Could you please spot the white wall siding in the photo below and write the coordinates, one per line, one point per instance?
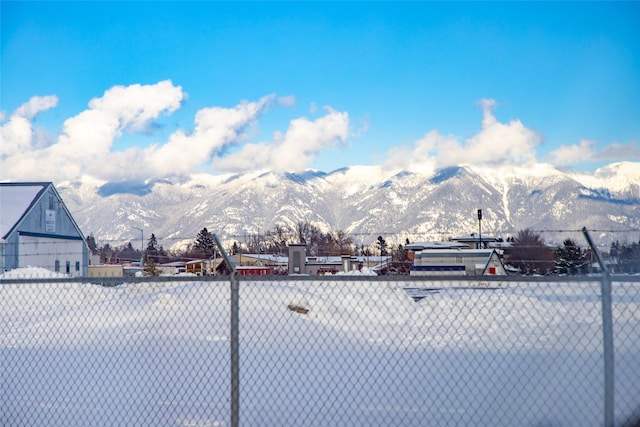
(52, 254)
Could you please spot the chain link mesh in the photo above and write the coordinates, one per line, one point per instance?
(341, 351)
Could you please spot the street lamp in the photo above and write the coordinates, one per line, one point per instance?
(480, 228)
(141, 244)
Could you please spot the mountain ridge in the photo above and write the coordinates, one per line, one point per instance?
(364, 201)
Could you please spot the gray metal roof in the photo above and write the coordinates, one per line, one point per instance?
(15, 201)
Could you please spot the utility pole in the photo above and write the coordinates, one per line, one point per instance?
(141, 244)
(479, 228)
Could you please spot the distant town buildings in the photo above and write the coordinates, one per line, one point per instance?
(37, 230)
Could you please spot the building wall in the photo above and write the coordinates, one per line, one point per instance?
(438, 262)
(495, 266)
(112, 270)
(47, 234)
(297, 257)
(61, 255)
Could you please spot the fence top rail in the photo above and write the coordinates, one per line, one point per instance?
(114, 281)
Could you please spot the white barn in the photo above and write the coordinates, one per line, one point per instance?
(36, 229)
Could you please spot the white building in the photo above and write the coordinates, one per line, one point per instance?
(460, 262)
(36, 229)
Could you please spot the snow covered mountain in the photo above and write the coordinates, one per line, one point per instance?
(365, 201)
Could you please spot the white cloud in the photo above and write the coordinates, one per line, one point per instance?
(616, 151)
(572, 154)
(36, 105)
(585, 151)
(286, 101)
(17, 134)
(220, 137)
(216, 129)
(86, 144)
(86, 141)
(496, 143)
(292, 151)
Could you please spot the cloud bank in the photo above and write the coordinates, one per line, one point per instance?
(219, 139)
(585, 151)
(496, 143)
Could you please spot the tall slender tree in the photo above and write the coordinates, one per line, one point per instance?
(381, 244)
(205, 243)
(153, 249)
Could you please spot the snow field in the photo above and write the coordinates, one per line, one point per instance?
(366, 353)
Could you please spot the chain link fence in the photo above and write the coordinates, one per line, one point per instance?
(340, 351)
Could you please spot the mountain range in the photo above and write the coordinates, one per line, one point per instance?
(365, 201)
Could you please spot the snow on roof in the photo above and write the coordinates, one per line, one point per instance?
(449, 252)
(338, 259)
(15, 199)
(266, 257)
(418, 246)
(473, 237)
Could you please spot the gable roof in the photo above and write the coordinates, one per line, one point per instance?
(16, 199)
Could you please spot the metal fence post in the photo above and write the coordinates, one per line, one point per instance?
(607, 335)
(235, 350)
(234, 336)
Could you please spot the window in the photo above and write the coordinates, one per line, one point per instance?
(77, 265)
(57, 265)
(68, 267)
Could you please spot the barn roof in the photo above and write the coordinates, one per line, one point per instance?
(16, 198)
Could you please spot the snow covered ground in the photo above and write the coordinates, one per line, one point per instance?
(365, 353)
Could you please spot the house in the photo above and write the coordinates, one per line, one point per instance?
(200, 267)
(37, 229)
(468, 262)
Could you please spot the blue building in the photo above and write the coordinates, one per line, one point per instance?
(37, 230)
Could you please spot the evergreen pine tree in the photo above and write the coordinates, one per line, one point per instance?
(205, 243)
(381, 244)
(152, 250)
(569, 258)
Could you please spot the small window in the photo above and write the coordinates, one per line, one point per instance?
(77, 265)
(68, 267)
(57, 265)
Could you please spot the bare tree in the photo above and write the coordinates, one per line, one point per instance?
(529, 253)
(343, 242)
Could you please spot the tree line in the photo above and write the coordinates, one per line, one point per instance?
(526, 252)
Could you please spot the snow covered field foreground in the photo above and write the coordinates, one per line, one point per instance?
(352, 353)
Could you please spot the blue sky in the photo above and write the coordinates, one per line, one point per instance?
(107, 87)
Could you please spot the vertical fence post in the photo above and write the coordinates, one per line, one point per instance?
(234, 336)
(607, 334)
(235, 350)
